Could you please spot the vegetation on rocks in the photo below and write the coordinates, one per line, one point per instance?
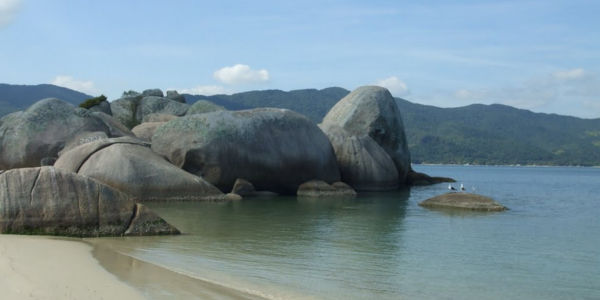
(91, 102)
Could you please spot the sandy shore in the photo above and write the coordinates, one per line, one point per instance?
(34, 267)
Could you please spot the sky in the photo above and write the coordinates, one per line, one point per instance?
(537, 55)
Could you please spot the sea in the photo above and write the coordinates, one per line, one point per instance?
(385, 246)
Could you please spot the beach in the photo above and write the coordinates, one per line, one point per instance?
(34, 267)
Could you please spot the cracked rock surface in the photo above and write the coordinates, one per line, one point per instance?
(46, 200)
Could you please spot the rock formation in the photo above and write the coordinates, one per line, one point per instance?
(275, 149)
(203, 106)
(128, 165)
(50, 201)
(132, 107)
(367, 133)
(465, 201)
(319, 188)
(43, 129)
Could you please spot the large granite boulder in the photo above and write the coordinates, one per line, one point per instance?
(103, 107)
(129, 165)
(152, 92)
(158, 117)
(124, 109)
(363, 164)
(372, 111)
(152, 104)
(145, 130)
(175, 96)
(50, 201)
(275, 149)
(203, 106)
(465, 201)
(43, 130)
(131, 109)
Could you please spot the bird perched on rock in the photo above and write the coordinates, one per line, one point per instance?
(450, 187)
(462, 187)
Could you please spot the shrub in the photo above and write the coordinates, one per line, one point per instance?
(92, 102)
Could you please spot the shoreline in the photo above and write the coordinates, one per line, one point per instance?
(47, 267)
(159, 282)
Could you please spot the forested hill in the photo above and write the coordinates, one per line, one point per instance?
(19, 97)
(474, 134)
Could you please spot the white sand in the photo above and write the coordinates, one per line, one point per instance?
(34, 267)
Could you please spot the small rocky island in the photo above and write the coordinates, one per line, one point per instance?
(83, 171)
(465, 201)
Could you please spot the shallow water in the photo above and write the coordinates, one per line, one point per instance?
(384, 246)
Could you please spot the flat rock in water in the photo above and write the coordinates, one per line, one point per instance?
(465, 201)
(319, 188)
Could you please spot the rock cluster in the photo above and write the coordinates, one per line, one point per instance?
(466, 201)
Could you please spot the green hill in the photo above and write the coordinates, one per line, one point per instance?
(19, 97)
(474, 134)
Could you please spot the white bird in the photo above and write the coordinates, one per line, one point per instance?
(450, 187)
(462, 187)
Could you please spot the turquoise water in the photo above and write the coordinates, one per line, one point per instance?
(384, 246)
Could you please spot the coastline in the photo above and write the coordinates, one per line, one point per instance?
(158, 282)
(45, 267)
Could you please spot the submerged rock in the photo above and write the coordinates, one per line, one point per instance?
(46, 200)
(416, 178)
(243, 187)
(130, 166)
(275, 149)
(319, 188)
(465, 201)
(43, 130)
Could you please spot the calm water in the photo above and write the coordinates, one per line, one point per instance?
(384, 246)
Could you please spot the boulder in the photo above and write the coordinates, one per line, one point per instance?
(466, 201)
(363, 164)
(372, 111)
(129, 165)
(115, 128)
(43, 130)
(124, 109)
(243, 187)
(151, 105)
(275, 149)
(174, 95)
(152, 92)
(50, 201)
(319, 188)
(103, 107)
(83, 138)
(203, 106)
(145, 131)
(158, 117)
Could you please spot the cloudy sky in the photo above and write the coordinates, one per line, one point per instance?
(538, 55)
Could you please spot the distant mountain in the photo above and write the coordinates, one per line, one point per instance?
(474, 134)
(19, 97)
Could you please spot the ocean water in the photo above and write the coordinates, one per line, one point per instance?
(385, 246)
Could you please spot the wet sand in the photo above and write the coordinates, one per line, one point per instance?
(157, 282)
(34, 267)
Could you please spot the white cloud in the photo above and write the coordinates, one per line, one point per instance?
(569, 74)
(74, 84)
(205, 90)
(396, 86)
(241, 74)
(8, 9)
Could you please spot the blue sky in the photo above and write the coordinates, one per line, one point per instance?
(538, 55)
